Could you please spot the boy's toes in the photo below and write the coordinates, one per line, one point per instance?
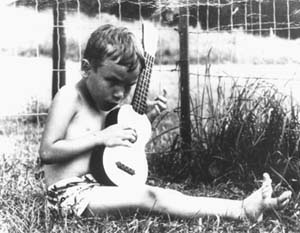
(267, 179)
(266, 186)
(284, 199)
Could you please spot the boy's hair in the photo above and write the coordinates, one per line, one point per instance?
(115, 43)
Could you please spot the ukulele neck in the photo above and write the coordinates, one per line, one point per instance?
(141, 91)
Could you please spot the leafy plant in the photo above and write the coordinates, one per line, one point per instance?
(237, 135)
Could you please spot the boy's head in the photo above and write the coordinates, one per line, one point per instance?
(112, 63)
(117, 44)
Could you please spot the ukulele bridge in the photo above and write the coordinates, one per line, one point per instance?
(125, 168)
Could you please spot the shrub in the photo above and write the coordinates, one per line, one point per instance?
(36, 112)
(237, 135)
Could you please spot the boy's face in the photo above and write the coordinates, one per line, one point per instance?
(110, 84)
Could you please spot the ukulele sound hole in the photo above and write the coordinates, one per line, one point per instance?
(125, 168)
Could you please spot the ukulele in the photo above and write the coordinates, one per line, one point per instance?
(120, 165)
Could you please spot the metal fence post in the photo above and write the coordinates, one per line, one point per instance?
(184, 89)
(59, 46)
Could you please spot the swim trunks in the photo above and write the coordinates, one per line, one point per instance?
(70, 197)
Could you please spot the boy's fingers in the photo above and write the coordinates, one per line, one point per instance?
(161, 98)
(160, 105)
(127, 127)
(160, 101)
(157, 109)
(131, 136)
(164, 92)
(129, 141)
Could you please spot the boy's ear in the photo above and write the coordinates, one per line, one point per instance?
(85, 67)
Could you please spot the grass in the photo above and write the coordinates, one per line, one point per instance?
(22, 203)
(250, 111)
(238, 132)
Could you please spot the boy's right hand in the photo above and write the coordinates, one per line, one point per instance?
(116, 135)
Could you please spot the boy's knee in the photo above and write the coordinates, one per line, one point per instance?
(150, 195)
(157, 198)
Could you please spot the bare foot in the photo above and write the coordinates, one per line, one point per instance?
(261, 200)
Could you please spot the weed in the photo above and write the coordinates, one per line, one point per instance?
(22, 202)
(237, 135)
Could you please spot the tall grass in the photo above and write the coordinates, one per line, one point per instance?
(237, 134)
(235, 138)
(23, 209)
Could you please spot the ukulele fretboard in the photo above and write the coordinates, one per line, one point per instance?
(141, 91)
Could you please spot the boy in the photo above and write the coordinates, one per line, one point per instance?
(112, 62)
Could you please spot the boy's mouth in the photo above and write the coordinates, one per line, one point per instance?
(109, 105)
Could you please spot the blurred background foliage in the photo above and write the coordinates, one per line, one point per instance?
(166, 11)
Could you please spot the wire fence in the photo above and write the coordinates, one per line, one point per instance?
(243, 39)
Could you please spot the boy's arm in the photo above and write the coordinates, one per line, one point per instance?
(54, 147)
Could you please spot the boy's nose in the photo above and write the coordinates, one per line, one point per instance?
(118, 95)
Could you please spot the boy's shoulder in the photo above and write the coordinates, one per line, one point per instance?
(69, 91)
(72, 98)
(68, 95)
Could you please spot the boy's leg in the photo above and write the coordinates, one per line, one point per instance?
(114, 199)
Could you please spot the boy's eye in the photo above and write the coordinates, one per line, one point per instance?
(112, 81)
(129, 86)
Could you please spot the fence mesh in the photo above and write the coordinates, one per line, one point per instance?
(243, 39)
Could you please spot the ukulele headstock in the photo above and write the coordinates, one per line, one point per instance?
(149, 38)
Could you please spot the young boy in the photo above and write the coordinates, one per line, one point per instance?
(112, 62)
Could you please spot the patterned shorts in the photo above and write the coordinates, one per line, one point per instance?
(70, 197)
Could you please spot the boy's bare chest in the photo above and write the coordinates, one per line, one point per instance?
(85, 121)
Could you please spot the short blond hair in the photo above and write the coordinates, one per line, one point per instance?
(115, 43)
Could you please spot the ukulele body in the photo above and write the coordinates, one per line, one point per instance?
(120, 165)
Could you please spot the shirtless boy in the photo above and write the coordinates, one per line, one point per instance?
(110, 67)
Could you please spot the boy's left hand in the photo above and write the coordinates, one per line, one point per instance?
(155, 107)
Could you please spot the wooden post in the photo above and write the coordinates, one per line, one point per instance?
(288, 18)
(274, 18)
(184, 89)
(251, 17)
(59, 46)
(259, 18)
